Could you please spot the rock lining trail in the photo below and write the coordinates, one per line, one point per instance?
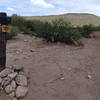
(57, 71)
(14, 82)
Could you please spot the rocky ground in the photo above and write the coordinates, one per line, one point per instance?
(57, 71)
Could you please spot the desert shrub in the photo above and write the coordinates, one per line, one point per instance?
(58, 30)
(52, 31)
(20, 23)
(17, 21)
(97, 28)
(65, 31)
(86, 30)
(35, 27)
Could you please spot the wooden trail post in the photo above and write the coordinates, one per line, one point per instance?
(4, 21)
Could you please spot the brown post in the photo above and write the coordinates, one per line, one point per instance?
(3, 39)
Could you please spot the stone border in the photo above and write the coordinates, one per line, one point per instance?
(14, 82)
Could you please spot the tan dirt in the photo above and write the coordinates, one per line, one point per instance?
(57, 71)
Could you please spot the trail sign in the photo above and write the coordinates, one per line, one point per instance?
(4, 22)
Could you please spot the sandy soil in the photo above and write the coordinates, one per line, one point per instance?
(57, 71)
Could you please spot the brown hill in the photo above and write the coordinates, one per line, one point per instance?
(74, 18)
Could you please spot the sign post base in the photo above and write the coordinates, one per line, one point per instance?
(4, 21)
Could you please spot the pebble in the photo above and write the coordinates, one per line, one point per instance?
(32, 50)
(89, 76)
(62, 78)
(25, 40)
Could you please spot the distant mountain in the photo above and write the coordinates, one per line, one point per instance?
(74, 18)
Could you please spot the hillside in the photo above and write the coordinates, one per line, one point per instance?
(74, 18)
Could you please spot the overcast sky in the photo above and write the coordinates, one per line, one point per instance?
(49, 7)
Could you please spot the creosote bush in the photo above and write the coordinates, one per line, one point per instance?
(20, 23)
(59, 30)
(86, 30)
(55, 31)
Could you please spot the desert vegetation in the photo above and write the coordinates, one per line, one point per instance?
(57, 30)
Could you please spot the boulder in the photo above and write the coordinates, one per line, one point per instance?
(11, 87)
(13, 84)
(12, 75)
(6, 81)
(8, 89)
(5, 72)
(21, 80)
(21, 91)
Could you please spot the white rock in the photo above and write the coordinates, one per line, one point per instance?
(21, 91)
(62, 78)
(5, 72)
(25, 40)
(32, 50)
(21, 80)
(12, 75)
(89, 76)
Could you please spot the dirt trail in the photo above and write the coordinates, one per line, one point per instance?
(57, 72)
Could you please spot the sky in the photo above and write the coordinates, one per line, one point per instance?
(49, 7)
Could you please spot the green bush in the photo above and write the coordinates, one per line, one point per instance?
(86, 30)
(58, 30)
(97, 28)
(55, 31)
(34, 27)
(18, 21)
(21, 23)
